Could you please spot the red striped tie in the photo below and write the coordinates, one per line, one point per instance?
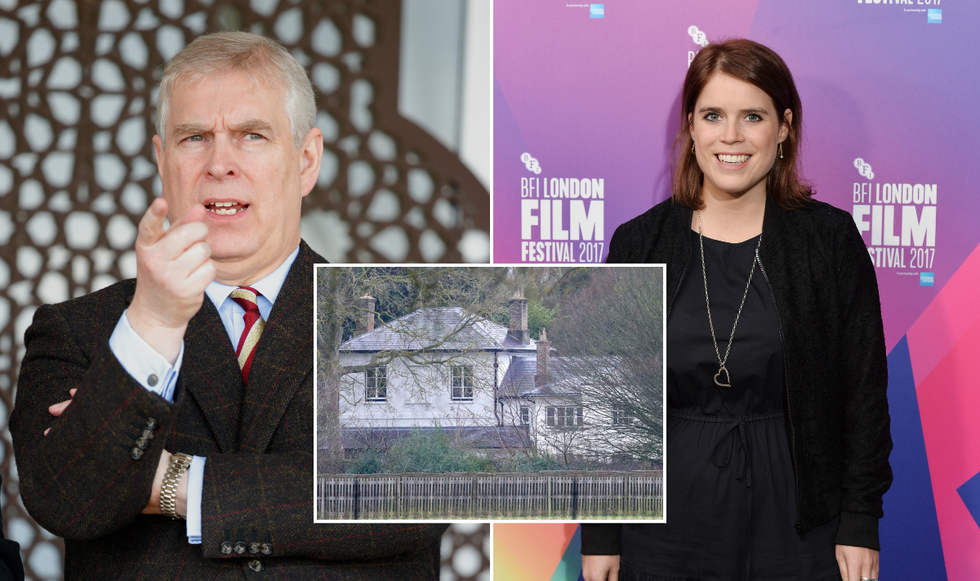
(246, 298)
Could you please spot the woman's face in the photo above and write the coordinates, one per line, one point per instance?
(736, 131)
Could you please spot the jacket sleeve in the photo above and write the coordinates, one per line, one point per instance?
(601, 539)
(92, 474)
(268, 498)
(619, 247)
(83, 480)
(867, 439)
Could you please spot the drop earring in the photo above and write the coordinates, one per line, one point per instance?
(780, 150)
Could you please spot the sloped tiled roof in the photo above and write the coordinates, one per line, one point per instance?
(437, 329)
(519, 379)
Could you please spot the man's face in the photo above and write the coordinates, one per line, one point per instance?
(229, 148)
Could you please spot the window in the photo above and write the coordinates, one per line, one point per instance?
(462, 383)
(376, 384)
(567, 416)
(622, 417)
(525, 415)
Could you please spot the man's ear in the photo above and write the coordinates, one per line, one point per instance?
(310, 158)
(158, 151)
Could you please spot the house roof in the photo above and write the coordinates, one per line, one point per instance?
(437, 329)
(519, 379)
(479, 437)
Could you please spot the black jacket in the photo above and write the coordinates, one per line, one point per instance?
(826, 296)
(88, 479)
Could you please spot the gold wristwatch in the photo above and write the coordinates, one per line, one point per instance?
(179, 463)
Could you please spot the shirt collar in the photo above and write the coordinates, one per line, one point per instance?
(268, 287)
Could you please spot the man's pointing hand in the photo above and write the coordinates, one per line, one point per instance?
(173, 267)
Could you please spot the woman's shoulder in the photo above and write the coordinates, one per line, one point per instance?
(824, 210)
(819, 229)
(651, 220)
(635, 238)
(815, 217)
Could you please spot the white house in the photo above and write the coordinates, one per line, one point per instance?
(491, 386)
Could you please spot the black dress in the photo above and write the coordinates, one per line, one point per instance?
(731, 502)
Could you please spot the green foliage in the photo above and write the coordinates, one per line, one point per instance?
(538, 317)
(367, 463)
(432, 451)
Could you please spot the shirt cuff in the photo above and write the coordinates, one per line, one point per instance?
(195, 489)
(142, 362)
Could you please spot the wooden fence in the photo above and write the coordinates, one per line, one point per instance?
(544, 495)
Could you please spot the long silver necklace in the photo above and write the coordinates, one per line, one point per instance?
(725, 381)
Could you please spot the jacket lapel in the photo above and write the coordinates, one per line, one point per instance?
(211, 376)
(283, 357)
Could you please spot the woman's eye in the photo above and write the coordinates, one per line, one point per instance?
(754, 117)
(712, 117)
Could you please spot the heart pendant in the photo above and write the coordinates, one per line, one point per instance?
(727, 382)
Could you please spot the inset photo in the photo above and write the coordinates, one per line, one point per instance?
(490, 393)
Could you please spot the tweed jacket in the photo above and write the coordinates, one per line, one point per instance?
(87, 482)
(826, 297)
(11, 567)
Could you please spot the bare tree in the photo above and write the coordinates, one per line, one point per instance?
(612, 354)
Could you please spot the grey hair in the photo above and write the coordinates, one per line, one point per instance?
(252, 54)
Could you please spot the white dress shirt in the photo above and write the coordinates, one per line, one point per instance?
(155, 373)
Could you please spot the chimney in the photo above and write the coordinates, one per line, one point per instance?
(518, 318)
(365, 314)
(543, 374)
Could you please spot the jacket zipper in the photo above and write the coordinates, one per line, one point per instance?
(789, 412)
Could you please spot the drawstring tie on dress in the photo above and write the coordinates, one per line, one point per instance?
(733, 439)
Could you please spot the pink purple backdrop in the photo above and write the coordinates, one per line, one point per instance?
(590, 92)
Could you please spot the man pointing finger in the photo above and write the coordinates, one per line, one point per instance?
(190, 390)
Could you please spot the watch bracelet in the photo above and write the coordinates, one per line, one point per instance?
(179, 463)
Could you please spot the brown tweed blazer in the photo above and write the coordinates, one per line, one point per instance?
(85, 483)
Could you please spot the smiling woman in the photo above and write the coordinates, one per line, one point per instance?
(765, 87)
(777, 436)
(736, 130)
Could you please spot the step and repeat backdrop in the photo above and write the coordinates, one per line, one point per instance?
(586, 100)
